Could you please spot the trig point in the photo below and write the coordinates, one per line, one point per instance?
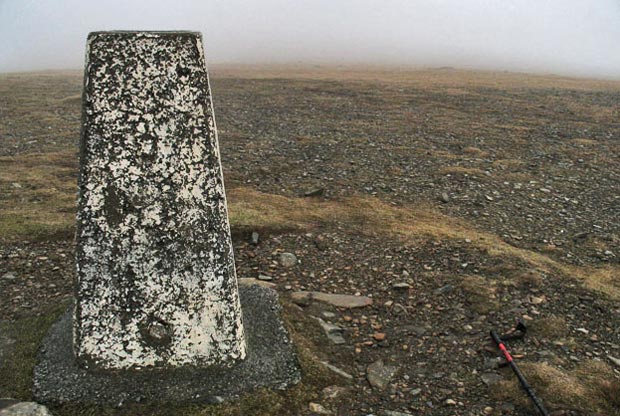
(156, 290)
(156, 278)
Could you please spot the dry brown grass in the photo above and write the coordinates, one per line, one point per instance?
(509, 164)
(528, 278)
(474, 151)
(585, 142)
(367, 214)
(37, 194)
(480, 293)
(591, 388)
(551, 327)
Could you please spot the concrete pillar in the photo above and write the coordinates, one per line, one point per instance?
(156, 284)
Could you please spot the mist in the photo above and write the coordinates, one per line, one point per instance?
(566, 37)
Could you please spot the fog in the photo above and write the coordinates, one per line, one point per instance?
(568, 37)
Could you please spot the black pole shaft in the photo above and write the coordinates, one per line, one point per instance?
(526, 386)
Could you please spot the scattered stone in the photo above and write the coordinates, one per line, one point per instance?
(304, 298)
(379, 375)
(255, 238)
(379, 336)
(337, 370)
(314, 192)
(328, 314)
(535, 300)
(215, 400)
(490, 378)
(488, 410)
(333, 332)
(583, 331)
(444, 197)
(321, 243)
(415, 392)
(444, 290)
(333, 392)
(265, 277)
(288, 260)
(25, 409)
(319, 409)
(248, 281)
(449, 402)
(9, 276)
(614, 360)
(395, 413)
(401, 286)
(16, 185)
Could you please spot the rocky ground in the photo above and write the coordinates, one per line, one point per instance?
(451, 202)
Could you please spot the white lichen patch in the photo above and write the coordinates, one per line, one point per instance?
(156, 279)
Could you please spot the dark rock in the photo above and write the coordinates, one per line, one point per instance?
(315, 192)
(379, 374)
(444, 290)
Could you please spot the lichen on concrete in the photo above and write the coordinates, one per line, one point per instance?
(156, 284)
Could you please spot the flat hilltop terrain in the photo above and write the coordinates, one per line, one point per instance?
(458, 201)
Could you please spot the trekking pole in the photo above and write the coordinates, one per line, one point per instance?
(528, 389)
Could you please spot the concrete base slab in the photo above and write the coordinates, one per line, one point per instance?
(270, 362)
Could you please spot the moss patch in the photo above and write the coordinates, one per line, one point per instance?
(590, 388)
(17, 366)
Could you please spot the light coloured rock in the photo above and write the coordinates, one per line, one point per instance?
(379, 375)
(333, 332)
(333, 392)
(156, 284)
(288, 260)
(337, 370)
(395, 413)
(401, 286)
(614, 360)
(318, 409)
(25, 409)
(340, 301)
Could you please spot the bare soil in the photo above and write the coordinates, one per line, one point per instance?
(494, 196)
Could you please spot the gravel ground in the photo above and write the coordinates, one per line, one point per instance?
(531, 161)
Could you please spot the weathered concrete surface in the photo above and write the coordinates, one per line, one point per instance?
(270, 362)
(156, 282)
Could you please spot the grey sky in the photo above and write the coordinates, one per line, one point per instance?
(573, 37)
